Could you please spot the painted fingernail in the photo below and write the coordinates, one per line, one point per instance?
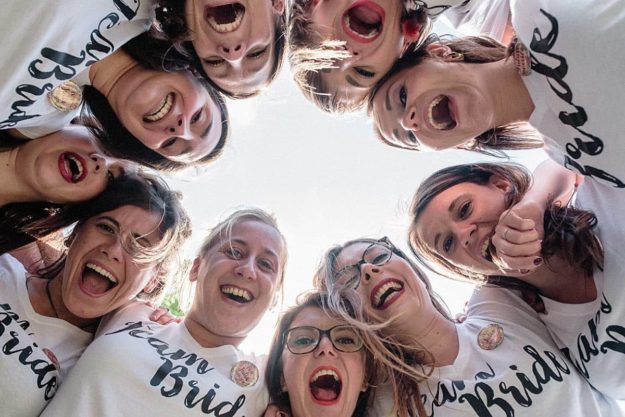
(538, 261)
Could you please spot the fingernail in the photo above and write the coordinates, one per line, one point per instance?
(538, 261)
(525, 271)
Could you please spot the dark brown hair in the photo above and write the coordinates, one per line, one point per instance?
(568, 231)
(475, 50)
(274, 372)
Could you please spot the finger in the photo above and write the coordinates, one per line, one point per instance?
(158, 313)
(507, 248)
(514, 221)
(522, 264)
(517, 237)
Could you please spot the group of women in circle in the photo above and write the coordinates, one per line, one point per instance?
(96, 91)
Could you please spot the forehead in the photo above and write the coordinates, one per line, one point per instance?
(133, 218)
(255, 233)
(352, 254)
(314, 316)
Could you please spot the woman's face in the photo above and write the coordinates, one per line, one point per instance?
(235, 40)
(169, 112)
(371, 30)
(391, 290)
(237, 279)
(459, 223)
(324, 382)
(436, 104)
(67, 166)
(99, 274)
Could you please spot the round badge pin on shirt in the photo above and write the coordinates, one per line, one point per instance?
(490, 336)
(244, 373)
(66, 96)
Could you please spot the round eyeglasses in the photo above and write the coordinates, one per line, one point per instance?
(305, 339)
(378, 253)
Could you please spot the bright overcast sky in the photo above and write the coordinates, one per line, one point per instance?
(326, 178)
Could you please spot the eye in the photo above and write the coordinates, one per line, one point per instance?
(233, 253)
(105, 227)
(169, 142)
(109, 177)
(266, 265)
(410, 136)
(403, 94)
(364, 73)
(258, 54)
(197, 116)
(214, 62)
(448, 244)
(346, 340)
(464, 210)
(303, 341)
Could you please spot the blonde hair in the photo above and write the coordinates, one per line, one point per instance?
(403, 364)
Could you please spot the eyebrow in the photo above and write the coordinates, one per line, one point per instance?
(387, 100)
(266, 250)
(351, 80)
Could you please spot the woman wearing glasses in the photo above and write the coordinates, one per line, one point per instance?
(192, 368)
(317, 365)
(500, 361)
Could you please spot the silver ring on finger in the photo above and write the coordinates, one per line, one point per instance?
(505, 234)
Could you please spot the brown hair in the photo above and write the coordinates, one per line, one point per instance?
(274, 372)
(403, 365)
(475, 50)
(144, 191)
(568, 231)
(309, 54)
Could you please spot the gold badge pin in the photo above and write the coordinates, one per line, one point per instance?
(66, 96)
(244, 373)
(490, 337)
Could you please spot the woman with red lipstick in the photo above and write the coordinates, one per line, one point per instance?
(191, 368)
(499, 361)
(579, 271)
(122, 247)
(548, 76)
(317, 365)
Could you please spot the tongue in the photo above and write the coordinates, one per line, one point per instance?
(95, 283)
(365, 15)
(440, 112)
(324, 394)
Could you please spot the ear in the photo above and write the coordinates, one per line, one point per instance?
(500, 183)
(277, 6)
(194, 269)
(439, 50)
(365, 387)
(152, 284)
(411, 30)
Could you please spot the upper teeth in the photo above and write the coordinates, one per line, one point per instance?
(323, 372)
(239, 292)
(102, 272)
(433, 104)
(380, 292)
(68, 160)
(485, 248)
(227, 27)
(162, 110)
(369, 35)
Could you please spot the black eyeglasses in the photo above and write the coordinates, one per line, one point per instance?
(305, 339)
(378, 253)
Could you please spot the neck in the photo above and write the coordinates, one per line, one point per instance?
(437, 335)
(106, 73)
(561, 282)
(510, 96)
(206, 338)
(14, 188)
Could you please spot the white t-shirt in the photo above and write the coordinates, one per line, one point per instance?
(136, 367)
(576, 82)
(592, 334)
(525, 375)
(36, 352)
(49, 42)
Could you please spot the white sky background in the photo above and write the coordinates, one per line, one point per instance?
(326, 178)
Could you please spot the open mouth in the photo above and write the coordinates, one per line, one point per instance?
(96, 280)
(161, 111)
(236, 294)
(325, 386)
(386, 293)
(488, 249)
(440, 114)
(225, 18)
(364, 22)
(73, 167)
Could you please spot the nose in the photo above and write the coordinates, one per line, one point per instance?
(113, 249)
(350, 61)
(367, 272)
(233, 51)
(409, 119)
(465, 232)
(325, 347)
(179, 127)
(245, 269)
